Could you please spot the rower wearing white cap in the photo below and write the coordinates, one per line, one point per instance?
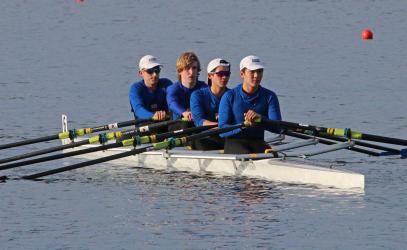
(205, 102)
(247, 102)
(148, 96)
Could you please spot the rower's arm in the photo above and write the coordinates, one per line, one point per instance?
(174, 102)
(136, 102)
(226, 115)
(197, 108)
(274, 113)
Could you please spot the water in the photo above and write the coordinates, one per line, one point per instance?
(63, 57)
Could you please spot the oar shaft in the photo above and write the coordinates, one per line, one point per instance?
(213, 132)
(87, 163)
(58, 136)
(125, 134)
(118, 125)
(327, 142)
(29, 141)
(383, 139)
(60, 156)
(182, 132)
(363, 144)
(42, 151)
(154, 146)
(339, 132)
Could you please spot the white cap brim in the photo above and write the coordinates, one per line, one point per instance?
(150, 66)
(254, 67)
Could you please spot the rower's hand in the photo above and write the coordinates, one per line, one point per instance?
(160, 116)
(209, 123)
(251, 116)
(187, 115)
(247, 124)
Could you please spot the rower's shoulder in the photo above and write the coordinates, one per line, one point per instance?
(137, 85)
(268, 92)
(229, 94)
(165, 82)
(233, 91)
(201, 85)
(174, 86)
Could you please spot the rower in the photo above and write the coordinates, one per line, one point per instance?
(148, 96)
(205, 103)
(247, 102)
(179, 93)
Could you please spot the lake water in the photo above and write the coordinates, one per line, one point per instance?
(80, 59)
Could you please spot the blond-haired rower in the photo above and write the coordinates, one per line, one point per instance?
(179, 93)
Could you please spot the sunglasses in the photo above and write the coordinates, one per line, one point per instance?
(222, 73)
(153, 70)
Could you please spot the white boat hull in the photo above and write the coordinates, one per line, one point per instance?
(277, 170)
(272, 169)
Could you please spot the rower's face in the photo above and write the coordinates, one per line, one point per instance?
(251, 77)
(220, 77)
(150, 76)
(189, 75)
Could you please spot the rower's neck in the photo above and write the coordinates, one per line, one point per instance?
(217, 91)
(152, 88)
(189, 85)
(250, 90)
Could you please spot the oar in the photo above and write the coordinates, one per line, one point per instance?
(126, 142)
(101, 138)
(339, 132)
(327, 142)
(74, 132)
(389, 151)
(156, 146)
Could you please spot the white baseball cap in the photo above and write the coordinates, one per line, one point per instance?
(251, 63)
(216, 63)
(148, 62)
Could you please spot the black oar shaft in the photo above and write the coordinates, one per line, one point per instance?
(87, 163)
(383, 139)
(329, 131)
(61, 156)
(43, 151)
(364, 144)
(327, 142)
(125, 134)
(57, 136)
(181, 132)
(29, 141)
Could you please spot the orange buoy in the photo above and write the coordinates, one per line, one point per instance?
(367, 34)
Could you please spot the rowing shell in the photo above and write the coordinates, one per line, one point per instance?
(218, 164)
